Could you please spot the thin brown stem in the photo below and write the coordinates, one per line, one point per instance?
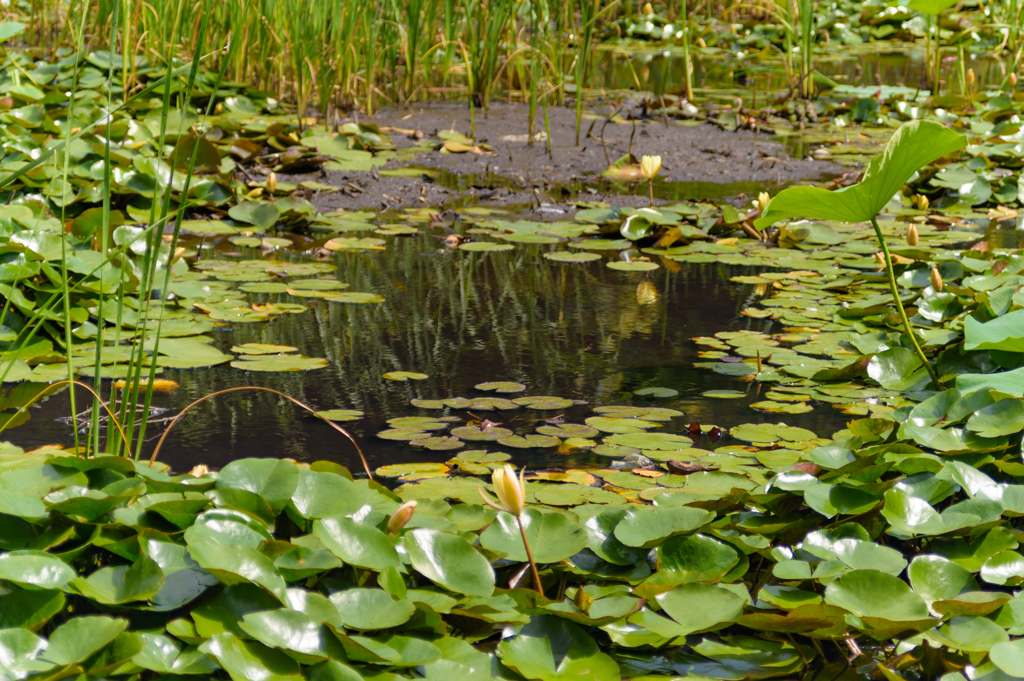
(529, 554)
(362, 457)
(56, 384)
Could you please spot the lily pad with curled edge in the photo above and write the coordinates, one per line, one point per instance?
(405, 376)
(767, 432)
(488, 404)
(396, 230)
(246, 241)
(782, 407)
(340, 414)
(318, 284)
(262, 349)
(616, 425)
(656, 392)
(501, 387)
(417, 422)
(650, 441)
(543, 402)
(569, 256)
(632, 266)
(485, 246)
(273, 363)
(406, 434)
(723, 394)
(645, 413)
(428, 404)
(529, 441)
(438, 443)
(354, 297)
(412, 471)
(601, 244)
(569, 430)
(575, 495)
(344, 243)
(476, 434)
(263, 287)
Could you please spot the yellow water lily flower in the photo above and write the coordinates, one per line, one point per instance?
(511, 492)
(650, 166)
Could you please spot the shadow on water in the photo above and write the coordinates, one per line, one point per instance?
(572, 330)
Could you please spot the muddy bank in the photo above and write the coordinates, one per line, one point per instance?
(699, 161)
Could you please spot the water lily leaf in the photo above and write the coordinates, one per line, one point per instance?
(477, 434)
(571, 257)
(405, 376)
(260, 215)
(621, 425)
(1008, 656)
(355, 297)
(354, 244)
(1002, 333)
(913, 146)
(449, 561)
(341, 414)
(369, 609)
(932, 7)
(36, 569)
(631, 266)
(552, 649)
(287, 630)
(553, 536)
(237, 564)
(484, 246)
(647, 527)
(569, 430)
(529, 441)
(78, 638)
(750, 432)
(697, 557)
(870, 593)
(501, 387)
(700, 607)
(1005, 417)
(275, 363)
(29, 608)
(656, 392)
(122, 584)
(272, 479)
(970, 634)
(357, 544)
(244, 660)
(543, 402)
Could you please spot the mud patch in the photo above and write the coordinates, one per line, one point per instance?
(700, 161)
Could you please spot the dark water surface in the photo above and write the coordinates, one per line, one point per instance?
(570, 330)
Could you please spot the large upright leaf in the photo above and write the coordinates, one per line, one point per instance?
(450, 561)
(80, 637)
(932, 7)
(272, 479)
(913, 146)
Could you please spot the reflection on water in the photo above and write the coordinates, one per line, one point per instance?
(574, 330)
(758, 76)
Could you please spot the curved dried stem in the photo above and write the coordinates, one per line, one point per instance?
(50, 387)
(160, 443)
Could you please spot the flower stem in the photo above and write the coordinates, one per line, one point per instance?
(529, 554)
(899, 304)
(651, 183)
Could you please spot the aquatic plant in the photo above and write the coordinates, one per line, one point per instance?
(913, 146)
(511, 495)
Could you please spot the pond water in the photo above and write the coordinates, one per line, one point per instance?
(572, 330)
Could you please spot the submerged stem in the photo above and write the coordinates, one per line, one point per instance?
(899, 304)
(529, 554)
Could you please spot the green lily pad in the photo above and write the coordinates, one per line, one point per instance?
(405, 376)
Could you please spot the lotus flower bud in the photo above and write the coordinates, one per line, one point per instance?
(199, 471)
(936, 279)
(912, 238)
(1013, 79)
(271, 183)
(511, 492)
(970, 77)
(648, 10)
(178, 252)
(922, 202)
(401, 516)
(650, 166)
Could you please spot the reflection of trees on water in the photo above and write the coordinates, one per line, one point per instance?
(570, 330)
